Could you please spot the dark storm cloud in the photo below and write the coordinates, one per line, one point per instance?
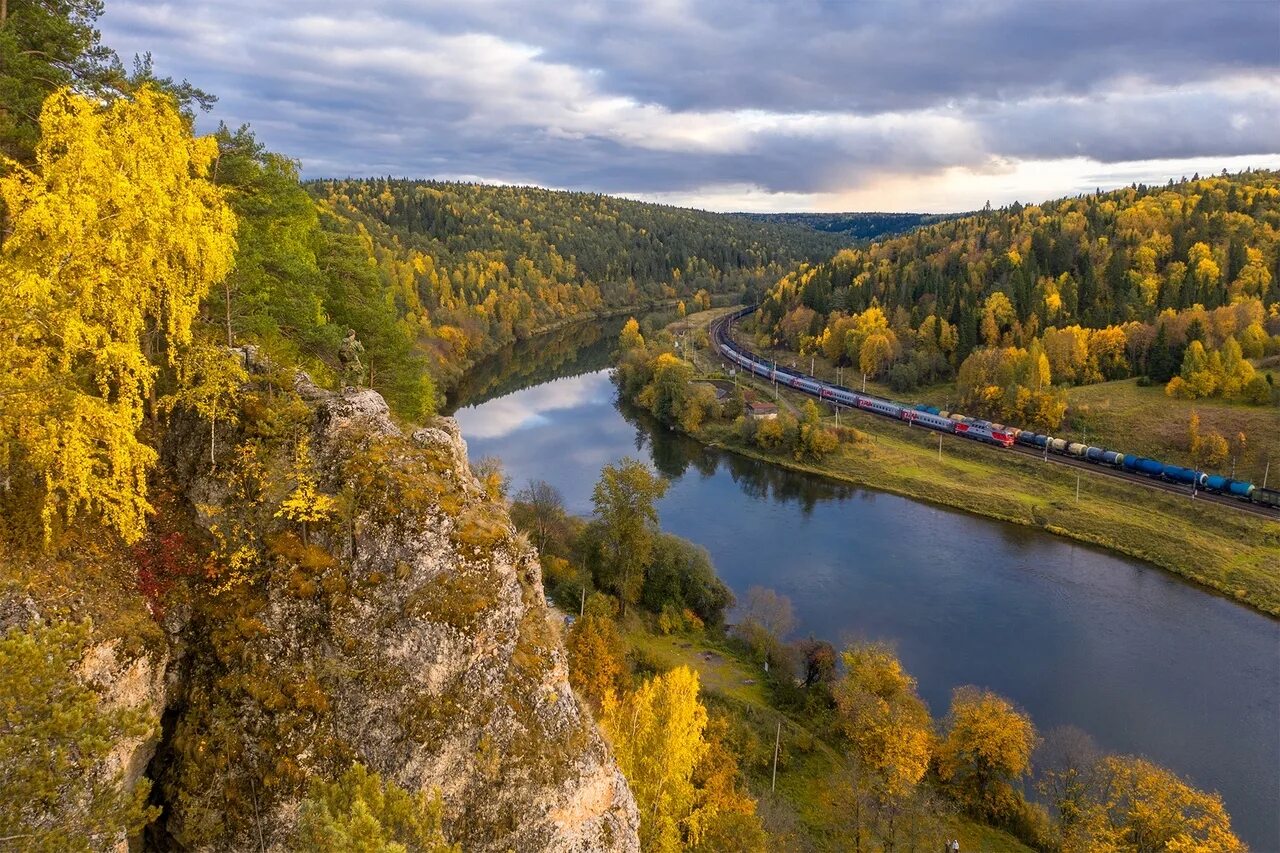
(668, 96)
(884, 55)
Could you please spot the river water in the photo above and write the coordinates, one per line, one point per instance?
(1145, 663)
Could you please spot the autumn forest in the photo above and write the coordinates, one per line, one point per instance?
(254, 595)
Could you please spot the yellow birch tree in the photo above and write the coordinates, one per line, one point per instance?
(113, 236)
(306, 504)
(656, 732)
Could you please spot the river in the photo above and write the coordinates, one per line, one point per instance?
(1144, 662)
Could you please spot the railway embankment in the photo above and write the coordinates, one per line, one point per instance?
(1229, 552)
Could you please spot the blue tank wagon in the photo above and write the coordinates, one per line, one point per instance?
(1242, 490)
(1143, 465)
(1178, 474)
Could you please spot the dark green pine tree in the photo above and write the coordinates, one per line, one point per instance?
(1161, 362)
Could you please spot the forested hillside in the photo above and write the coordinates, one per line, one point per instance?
(854, 226)
(472, 267)
(1150, 281)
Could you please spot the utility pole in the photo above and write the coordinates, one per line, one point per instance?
(1265, 473)
(864, 383)
(812, 360)
(777, 741)
(582, 608)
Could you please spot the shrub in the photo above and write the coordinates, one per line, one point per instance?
(361, 811)
(57, 794)
(904, 376)
(1257, 391)
(681, 576)
(1178, 389)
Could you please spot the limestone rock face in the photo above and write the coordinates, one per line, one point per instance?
(133, 680)
(438, 660)
(125, 681)
(136, 682)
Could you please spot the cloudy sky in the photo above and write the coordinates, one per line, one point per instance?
(740, 104)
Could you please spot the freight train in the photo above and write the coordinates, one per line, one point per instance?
(991, 433)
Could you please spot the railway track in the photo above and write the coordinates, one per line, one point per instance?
(719, 331)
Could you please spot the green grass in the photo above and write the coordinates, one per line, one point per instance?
(1147, 422)
(1232, 552)
(974, 836)
(718, 668)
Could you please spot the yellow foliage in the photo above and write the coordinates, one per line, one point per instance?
(306, 503)
(731, 822)
(595, 659)
(112, 239)
(987, 749)
(1146, 807)
(630, 337)
(887, 724)
(1179, 389)
(656, 732)
(875, 354)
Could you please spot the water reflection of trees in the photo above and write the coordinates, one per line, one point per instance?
(571, 351)
(674, 453)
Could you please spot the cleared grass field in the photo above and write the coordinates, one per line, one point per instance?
(1147, 422)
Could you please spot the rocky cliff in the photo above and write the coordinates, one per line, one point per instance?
(407, 631)
(397, 620)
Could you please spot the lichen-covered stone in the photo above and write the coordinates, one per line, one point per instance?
(428, 651)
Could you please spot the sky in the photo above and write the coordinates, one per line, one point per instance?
(826, 105)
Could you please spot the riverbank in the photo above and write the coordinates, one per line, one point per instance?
(1229, 552)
